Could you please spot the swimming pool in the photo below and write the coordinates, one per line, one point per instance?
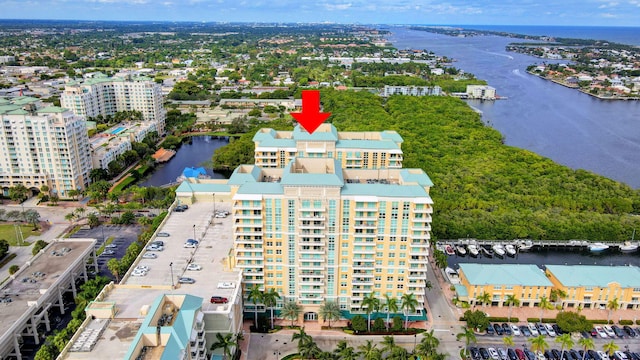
(117, 130)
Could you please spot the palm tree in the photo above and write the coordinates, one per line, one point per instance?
(508, 341)
(484, 299)
(302, 337)
(270, 299)
(469, 338)
(369, 351)
(557, 295)
(565, 342)
(391, 305)
(255, 296)
(388, 344)
(428, 345)
(544, 304)
(441, 259)
(428, 285)
(612, 305)
(372, 304)
(409, 303)
(610, 348)
(226, 343)
(309, 350)
(290, 311)
(587, 344)
(539, 343)
(345, 352)
(330, 310)
(511, 301)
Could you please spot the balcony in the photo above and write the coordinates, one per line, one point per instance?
(311, 267)
(362, 225)
(362, 282)
(310, 291)
(253, 281)
(418, 260)
(424, 219)
(240, 257)
(424, 236)
(426, 210)
(418, 227)
(364, 251)
(242, 216)
(312, 226)
(248, 241)
(311, 251)
(248, 232)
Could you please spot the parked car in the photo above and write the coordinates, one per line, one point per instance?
(221, 300)
(141, 268)
(181, 208)
(220, 215)
(616, 330)
(154, 247)
(137, 272)
(603, 355)
(533, 329)
(520, 354)
(108, 252)
(484, 353)
(163, 234)
(512, 354)
(629, 331)
(506, 329)
(557, 329)
(609, 331)
(226, 285)
(515, 330)
(493, 353)
(503, 353)
(524, 329)
(541, 329)
(490, 330)
(149, 255)
(158, 243)
(475, 353)
(550, 330)
(529, 354)
(190, 245)
(186, 280)
(194, 267)
(498, 329)
(619, 355)
(110, 246)
(600, 331)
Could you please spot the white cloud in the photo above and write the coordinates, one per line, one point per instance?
(332, 7)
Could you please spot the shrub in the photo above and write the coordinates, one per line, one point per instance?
(39, 245)
(504, 319)
(13, 269)
(359, 323)
(397, 324)
(625, 322)
(378, 325)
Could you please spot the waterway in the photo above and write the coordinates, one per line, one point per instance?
(569, 127)
(195, 153)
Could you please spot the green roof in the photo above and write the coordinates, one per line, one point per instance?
(7, 108)
(4, 101)
(18, 112)
(51, 109)
(22, 100)
(504, 274)
(596, 276)
(384, 190)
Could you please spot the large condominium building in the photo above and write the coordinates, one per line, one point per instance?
(354, 150)
(314, 229)
(42, 146)
(102, 95)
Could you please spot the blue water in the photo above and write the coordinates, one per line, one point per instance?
(117, 130)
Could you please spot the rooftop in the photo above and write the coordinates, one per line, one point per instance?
(505, 274)
(596, 276)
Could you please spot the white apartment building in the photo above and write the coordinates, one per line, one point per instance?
(105, 148)
(106, 96)
(412, 90)
(483, 92)
(42, 146)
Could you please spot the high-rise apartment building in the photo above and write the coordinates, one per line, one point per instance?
(103, 95)
(42, 146)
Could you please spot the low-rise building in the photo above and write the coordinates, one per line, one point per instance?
(593, 286)
(412, 90)
(483, 92)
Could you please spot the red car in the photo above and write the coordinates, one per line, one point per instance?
(520, 354)
(219, 300)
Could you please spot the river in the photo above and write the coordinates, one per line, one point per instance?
(569, 127)
(196, 153)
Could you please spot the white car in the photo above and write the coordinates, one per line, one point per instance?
(154, 247)
(516, 330)
(503, 354)
(601, 332)
(141, 268)
(550, 330)
(220, 216)
(533, 329)
(111, 246)
(603, 355)
(493, 354)
(138, 273)
(620, 355)
(149, 256)
(190, 244)
(609, 331)
(108, 252)
(226, 285)
(194, 267)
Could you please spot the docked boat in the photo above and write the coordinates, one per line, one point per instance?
(473, 250)
(598, 247)
(448, 249)
(628, 247)
(498, 249)
(525, 245)
(510, 250)
(486, 252)
(461, 250)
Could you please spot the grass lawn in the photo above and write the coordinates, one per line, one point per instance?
(8, 232)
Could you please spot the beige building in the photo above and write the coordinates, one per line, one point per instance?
(42, 146)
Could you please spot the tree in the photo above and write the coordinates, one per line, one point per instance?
(99, 190)
(329, 310)
(93, 220)
(226, 343)
(539, 343)
(469, 338)
(612, 305)
(508, 341)
(557, 295)
(345, 352)
(586, 344)
(114, 266)
(391, 305)
(388, 344)
(428, 345)
(291, 311)
(476, 319)
(307, 348)
(409, 303)
(565, 342)
(32, 217)
(544, 304)
(511, 301)
(255, 296)
(270, 299)
(13, 269)
(98, 174)
(572, 322)
(359, 323)
(39, 245)
(484, 299)
(369, 351)
(18, 193)
(372, 303)
(70, 217)
(441, 259)
(610, 348)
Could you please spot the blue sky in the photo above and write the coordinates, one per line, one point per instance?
(495, 12)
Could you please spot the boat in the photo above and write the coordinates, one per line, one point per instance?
(486, 252)
(461, 250)
(510, 250)
(448, 249)
(598, 247)
(628, 247)
(525, 245)
(498, 249)
(473, 250)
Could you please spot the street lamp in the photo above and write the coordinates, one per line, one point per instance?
(214, 204)
(171, 267)
(277, 354)
(415, 339)
(194, 232)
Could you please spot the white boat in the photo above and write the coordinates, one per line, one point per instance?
(628, 246)
(448, 249)
(598, 247)
(461, 250)
(498, 249)
(473, 250)
(525, 245)
(510, 249)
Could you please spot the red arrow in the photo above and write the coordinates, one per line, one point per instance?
(310, 117)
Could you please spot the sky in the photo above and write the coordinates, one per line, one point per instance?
(432, 12)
